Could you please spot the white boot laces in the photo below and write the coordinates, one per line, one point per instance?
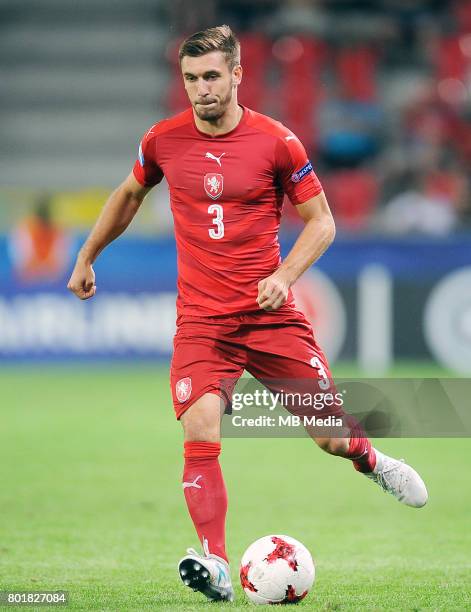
(381, 478)
(193, 553)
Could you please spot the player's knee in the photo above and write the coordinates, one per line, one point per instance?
(201, 422)
(333, 446)
(201, 429)
(200, 434)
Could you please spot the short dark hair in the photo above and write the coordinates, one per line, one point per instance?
(220, 38)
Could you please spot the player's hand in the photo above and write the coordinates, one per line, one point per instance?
(82, 281)
(273, 291)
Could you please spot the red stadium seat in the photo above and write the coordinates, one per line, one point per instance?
(301, 89)
(450, 61)
(462, 13)
(255, 59)
(352, 195)
(356, 72)
(448, 185)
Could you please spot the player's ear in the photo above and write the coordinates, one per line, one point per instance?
(237, 74)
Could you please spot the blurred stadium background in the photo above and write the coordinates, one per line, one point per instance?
(379, 92)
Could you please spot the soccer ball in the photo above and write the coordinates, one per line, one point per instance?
(276, 569)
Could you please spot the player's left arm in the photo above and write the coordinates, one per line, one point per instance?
(318, 233)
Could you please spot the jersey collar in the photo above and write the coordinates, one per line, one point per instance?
(226, 134)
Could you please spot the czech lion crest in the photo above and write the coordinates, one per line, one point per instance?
(183, 389)
(213, 185)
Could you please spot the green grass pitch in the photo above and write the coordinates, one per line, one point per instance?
(91, 502)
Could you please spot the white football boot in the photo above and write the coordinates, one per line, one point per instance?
(399, 479)
(209, 575)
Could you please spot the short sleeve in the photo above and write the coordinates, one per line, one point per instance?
(146, 169)
(294, 170)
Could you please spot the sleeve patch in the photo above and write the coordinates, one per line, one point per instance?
(300, 174)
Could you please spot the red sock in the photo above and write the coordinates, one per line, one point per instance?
(205, 494)
(361, 452)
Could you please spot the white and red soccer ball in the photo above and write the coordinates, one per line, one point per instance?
(276, 569)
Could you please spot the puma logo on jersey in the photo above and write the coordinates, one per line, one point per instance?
(216, 159)
(187, 485)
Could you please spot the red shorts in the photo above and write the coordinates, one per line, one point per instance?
(269, 345)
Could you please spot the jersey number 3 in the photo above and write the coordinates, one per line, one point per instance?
(216, 209)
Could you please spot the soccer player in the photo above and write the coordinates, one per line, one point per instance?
(228, 169)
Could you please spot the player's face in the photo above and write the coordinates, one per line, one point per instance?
(210, 84)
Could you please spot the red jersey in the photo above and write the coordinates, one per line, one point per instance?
(226, 196)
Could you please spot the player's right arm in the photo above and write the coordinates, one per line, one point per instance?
(115, 217)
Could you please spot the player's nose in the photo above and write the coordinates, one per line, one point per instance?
(202, 88)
